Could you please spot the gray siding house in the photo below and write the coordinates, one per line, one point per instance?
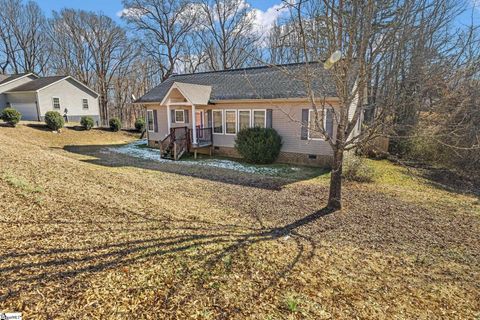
(208, 109)
(33, 96)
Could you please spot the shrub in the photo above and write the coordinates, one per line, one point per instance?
(356, 169)
(258, 145)
(87, 122)
(11, 116)
(54, 120)
(115, 124)
(140, 124)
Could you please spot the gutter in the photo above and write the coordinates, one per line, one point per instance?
(37, 106)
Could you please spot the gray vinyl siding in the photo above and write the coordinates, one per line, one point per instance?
(286, 119)
(288, 127)
(71, 95)
(161, 123)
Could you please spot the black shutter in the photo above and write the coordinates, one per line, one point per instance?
(209, 119)
(155, 121)
(329, 122)
(269, 118)
(186, 114)
(172, 115)
(304, 129)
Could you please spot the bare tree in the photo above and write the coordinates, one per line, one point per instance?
(132, 81)
(22, 34)
(93, 47)
(70, 51)
(363, 36)
(165, 27)
(228, 34)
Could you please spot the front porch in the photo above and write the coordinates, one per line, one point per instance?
(184, 102)
(184, 139)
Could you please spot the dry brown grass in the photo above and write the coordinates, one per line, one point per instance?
(103, 236)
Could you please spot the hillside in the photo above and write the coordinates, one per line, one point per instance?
(90, 233)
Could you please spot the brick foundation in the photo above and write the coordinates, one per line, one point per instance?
(315, 160)
(284, 157)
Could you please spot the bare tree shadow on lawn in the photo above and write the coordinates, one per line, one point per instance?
(48, 267)
(104, 157)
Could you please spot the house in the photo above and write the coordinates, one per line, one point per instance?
(220, 103)
(33, 96)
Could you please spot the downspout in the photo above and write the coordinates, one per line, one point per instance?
(37, 106)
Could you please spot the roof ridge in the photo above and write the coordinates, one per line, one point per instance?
(244, 69)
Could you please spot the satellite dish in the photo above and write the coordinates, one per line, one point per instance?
(334, 58)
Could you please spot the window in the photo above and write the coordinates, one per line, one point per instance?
(217, 121)
(179, 116)
(313, 122)
(150, 120)
(259, 118)
(230, 122)
(56, 103)
(85, 103)
(243, 119)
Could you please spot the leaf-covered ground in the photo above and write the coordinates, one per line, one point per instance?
(90, 233)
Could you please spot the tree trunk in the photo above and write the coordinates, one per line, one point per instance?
(335, 196)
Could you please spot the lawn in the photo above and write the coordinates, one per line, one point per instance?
(88, 232)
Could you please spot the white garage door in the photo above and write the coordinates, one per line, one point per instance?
(28, 110)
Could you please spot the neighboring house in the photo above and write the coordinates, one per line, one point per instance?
(220, 103)
(33, 96)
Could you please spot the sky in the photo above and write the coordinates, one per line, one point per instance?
(112, 7)
(265, 15)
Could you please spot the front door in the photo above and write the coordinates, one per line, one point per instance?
(199, 119)
(200, 125)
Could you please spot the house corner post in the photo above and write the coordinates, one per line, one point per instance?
(169, 118)
(194, 126)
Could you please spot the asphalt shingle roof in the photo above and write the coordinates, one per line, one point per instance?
(267, 82)
(37, 84)
(8, 78)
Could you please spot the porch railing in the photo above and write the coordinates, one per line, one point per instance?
(204, 136)
(175, 144)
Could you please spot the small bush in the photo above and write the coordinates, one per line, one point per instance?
(87, 122)
(355, 168)
(54, 120)
(259, 145)
(115, 124)
(140, 124)
(11, 116)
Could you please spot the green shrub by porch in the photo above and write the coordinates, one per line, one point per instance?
(54, 120)
(11, 116)
(115, 124)
(87, 122)
(258, 145)
(140, 124)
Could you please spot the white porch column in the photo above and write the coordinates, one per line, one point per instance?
(169, 118)
(194, 125)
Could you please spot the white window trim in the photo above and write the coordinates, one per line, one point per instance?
(183, 111)
(59, 103)
(213, 122)
(249, 118)
(310, 111)
(264, 118)
(83, 105)
(236, 122)
(153, 122)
